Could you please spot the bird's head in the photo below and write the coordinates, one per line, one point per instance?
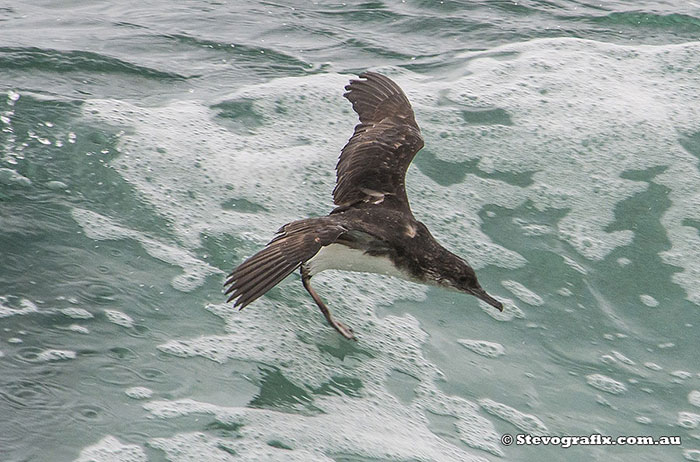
(461, 277)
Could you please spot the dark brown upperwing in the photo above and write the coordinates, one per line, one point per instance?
(372, 165)
(295, 243)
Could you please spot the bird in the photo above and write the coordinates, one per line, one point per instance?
(372, 228)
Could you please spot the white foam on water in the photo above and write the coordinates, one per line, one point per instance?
(364, 431)
(293, 332)
(522, 292)
(195, 271)
(622, 358)
(11, 177)
(528, 423)
(692, 454)
(652, 366)
(483, 347)
(110, 449)
(532, 229)
(694, 398)
(688, 419)
(119, 318)
(575, 265)
(77, 313)
(78, 328)
(683, 375)
(649, 301)
(194, 446)
(623, 261)
(510, 310)
(279, 167)
(10, 307)
(583, 113)
(139, 392)
(55, 355)
(565, 292)
(606, 384)
(56, 185)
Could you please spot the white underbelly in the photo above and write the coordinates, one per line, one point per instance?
(340, 257)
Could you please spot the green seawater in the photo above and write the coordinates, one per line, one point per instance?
(147, 148)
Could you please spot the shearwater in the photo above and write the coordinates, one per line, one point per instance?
(372, 228)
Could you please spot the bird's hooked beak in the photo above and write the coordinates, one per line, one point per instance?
(481, 293)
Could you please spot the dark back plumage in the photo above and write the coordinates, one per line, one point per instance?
(372, 165)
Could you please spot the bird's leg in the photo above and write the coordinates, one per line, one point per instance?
(344, 330)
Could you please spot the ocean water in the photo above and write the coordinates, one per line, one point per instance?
(146, 148)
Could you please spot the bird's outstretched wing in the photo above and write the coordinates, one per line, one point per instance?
(372, 165)
(295, 243)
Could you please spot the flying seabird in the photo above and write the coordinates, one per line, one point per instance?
(372, 228)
